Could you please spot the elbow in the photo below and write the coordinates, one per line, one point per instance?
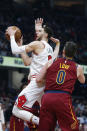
(26, 64)
(38, 80)
(14, 52)
(82, 81)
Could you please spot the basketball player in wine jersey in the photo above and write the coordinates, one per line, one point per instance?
(56, 102)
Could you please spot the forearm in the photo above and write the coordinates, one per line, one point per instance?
(41, 76)
(56, 51)
(80, 74)
(81, 79)
(15, 48)
(26, 59)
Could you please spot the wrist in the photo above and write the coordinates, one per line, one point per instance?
(12, 37)
(31, 118)
(38, 27)
(58, 43)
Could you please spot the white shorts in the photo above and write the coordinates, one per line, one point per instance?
(1, 126)
(30, 95)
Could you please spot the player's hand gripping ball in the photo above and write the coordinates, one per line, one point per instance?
(16, 32)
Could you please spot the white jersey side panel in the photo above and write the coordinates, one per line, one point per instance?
(33, 92)
(38, 61)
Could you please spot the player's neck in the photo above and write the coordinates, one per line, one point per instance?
(70, 58)
(45, 39)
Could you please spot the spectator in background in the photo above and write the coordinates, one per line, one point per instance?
(2, 120)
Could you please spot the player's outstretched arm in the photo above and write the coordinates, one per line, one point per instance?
(21, 49)
(26, 59)
(80, 74)
(41, 76)
(56, 50)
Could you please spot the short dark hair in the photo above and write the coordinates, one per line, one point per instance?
(48, 30)
(70, 49)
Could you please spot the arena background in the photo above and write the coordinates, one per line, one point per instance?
(68, 19)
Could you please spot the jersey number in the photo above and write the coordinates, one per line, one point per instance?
(60, 77)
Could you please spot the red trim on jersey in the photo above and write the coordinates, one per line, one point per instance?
(21, 101)
(49, 57)
(27, 108)
(33, 76)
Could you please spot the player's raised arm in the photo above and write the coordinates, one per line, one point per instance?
(38, 23)
(20, 49)
(56, 50)
(80, 74)
(41, 76)
(38, 26)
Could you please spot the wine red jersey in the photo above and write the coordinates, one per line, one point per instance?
(61, 75)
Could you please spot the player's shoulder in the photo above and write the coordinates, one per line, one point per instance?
(79, 67)
(73, 63)
(35, 44)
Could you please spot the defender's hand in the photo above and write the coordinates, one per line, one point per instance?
(56, 41)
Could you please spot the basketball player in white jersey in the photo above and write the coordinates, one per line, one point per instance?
(42, 51)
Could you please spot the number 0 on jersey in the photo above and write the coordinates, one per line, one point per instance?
(60, 77)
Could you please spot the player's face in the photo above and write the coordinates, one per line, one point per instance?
(40, 33)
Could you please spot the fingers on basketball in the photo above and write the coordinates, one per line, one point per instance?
(18, 33)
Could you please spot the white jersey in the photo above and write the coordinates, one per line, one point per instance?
(38, 61)
(32, 92)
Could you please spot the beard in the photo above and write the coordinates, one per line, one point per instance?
(39, 38)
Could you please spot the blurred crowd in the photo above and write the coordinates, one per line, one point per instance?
(65, 27)
(79, 104)
(8, 96)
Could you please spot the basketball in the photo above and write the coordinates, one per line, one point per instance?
(18, 34)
